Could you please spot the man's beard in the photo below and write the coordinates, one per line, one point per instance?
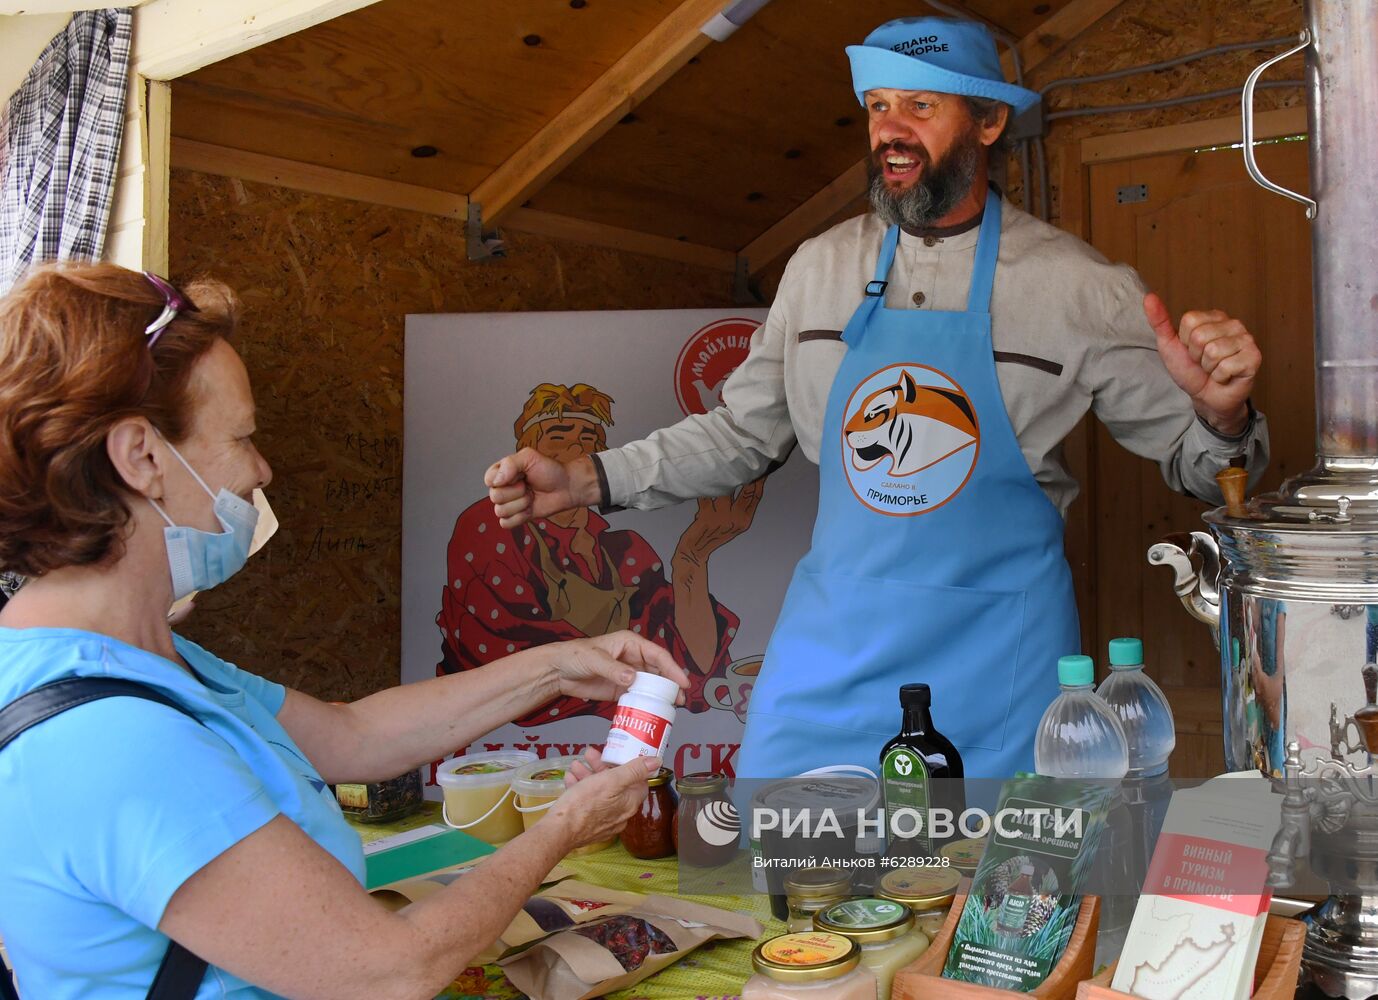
(939, 189)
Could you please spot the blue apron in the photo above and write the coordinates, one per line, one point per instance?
(936, 557)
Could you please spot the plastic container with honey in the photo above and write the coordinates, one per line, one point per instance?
(885, 931)
(928, 892)
(538, 785)
(811, 891)
(478, 794)
(812, 966)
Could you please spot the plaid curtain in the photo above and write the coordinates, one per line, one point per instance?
(60, 145)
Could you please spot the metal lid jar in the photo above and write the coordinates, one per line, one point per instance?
(885, 931)
(703, 794)
(810, 891)
(812, 966)
(927, 892)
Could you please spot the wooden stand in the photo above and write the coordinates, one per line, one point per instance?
(1275, 974)
(922, 979)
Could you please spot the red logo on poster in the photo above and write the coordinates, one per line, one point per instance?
(711, 355)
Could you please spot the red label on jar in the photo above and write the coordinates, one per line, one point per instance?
(645, 727)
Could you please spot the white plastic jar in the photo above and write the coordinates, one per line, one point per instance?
(641, 724)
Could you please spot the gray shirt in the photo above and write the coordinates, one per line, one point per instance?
(1069, 335)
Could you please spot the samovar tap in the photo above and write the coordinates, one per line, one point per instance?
(1293, 838)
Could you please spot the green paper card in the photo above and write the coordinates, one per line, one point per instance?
(419, 852)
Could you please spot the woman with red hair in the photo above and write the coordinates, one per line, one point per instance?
(198, 811)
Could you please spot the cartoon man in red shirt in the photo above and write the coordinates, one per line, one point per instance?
(571, 575)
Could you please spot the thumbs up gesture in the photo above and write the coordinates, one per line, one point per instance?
(1212, 358)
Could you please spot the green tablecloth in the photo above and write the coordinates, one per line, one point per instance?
(715, 971)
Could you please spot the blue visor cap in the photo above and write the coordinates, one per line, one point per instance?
(940, 54)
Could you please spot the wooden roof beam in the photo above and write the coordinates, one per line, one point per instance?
(1060, 28)
(173, 38)
(794, 228)
(176, 37)
(1034, 49)
(648, 64)
(223, 161)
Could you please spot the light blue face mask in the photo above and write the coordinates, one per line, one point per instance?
(201, 559)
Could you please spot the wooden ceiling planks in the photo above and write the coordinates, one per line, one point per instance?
(723, 151)
(745, 134)
(752, 128)
(360, 92)
(1018, 17)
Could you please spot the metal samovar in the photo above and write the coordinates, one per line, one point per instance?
(1289, 580)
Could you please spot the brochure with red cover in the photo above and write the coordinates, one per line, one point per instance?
(1198, 924)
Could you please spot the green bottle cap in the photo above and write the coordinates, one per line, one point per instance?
(1126, 652)
(1075, 670)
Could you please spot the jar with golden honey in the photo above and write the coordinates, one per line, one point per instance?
(927, 892)
(810, 891)
(812, 966)
(885, 931)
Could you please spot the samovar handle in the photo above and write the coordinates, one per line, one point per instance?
(1195, 563)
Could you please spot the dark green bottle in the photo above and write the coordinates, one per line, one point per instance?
(920, 769)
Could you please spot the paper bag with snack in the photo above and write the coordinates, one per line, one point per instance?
(620, 950)
(553, 908)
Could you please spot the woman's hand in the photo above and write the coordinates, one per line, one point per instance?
(597, 803)
(602, 667)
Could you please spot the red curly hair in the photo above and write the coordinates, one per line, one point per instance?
(73, 363)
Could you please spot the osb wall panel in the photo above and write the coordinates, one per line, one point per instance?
(1149, 31)
(326, 285)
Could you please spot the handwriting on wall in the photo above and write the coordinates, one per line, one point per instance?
(381, 452)
(343, 493)
(350, 488)
(325, 544)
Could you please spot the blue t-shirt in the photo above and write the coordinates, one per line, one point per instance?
(108, 808)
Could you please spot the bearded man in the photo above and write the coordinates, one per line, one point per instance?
(931, 356)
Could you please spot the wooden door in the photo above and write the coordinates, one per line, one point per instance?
(1204, 236)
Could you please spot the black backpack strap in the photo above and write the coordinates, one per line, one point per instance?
(7, 990)
(180, 974)
(42, 703)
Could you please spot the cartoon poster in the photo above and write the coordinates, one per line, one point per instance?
(705, 579)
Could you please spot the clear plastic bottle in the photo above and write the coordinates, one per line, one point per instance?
(1080, 736)
(1147, 719)
(1142, 709)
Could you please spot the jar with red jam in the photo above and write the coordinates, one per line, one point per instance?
(704, 794)
(651, 832)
